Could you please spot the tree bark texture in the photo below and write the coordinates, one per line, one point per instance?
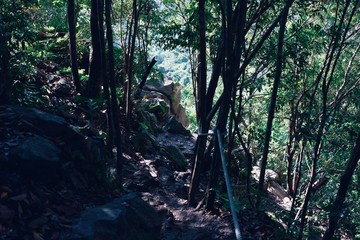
(195, 177)
(144, 77)
(5, 83)
(234, 43)
(131, 63)
(72, 45)
(94, 83)
(114, 103)
(279, 62)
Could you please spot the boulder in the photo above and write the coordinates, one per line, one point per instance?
(170, 92)
(177, 158)
(168, 88)
(55, 142)
(174, 126)
(63, 87)
(55, 127)
(181, 116)
(37, 157)
(128, 217)
(270, 175)
(141, 181)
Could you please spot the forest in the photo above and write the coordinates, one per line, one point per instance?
(179, 119)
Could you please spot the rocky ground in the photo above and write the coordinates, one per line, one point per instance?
(53, 182)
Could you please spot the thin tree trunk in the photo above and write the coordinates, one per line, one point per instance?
(110, 124)
(325, 88)
(289, 151)
(131, 64)
(72, 45)
(5, 83)
(195, 177)
(144, 77)
(114, 103)
(249, 157)
(279, 62)
(94, 83)
(296, 182)
(345, 180)
(234, 44)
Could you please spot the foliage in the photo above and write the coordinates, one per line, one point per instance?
(168, 31)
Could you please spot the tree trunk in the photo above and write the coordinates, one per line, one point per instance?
(195, 177)
(114, 104)
(131, 64)
(5, 83)
(290, 151)
(94, 83)
(325, 89)
(72, 45)
(296, 181)
(144, 78)
(345, 180)
(109, 113)
(234, 44)
(279, 62)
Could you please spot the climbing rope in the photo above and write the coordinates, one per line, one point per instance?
(226, 175)
(228, 187)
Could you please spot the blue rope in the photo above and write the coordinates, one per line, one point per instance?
(228, 187)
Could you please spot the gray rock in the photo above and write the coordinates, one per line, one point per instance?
(62, 87)
(181, 116)
(88, 151)
(177, 158)
(165, 175)
(141, 181)
(270, 175)
(52, 77)
(128, 217)
(174, 126)
(170, 92)
(37, 157)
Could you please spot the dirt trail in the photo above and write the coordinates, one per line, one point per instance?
(168, 195)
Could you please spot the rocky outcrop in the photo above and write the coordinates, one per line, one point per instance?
(276, 191)
(177, 158)
(128, 217)
(167, 97)
(38, 158)
(175, 127)
(270, 175)
(47, 144)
